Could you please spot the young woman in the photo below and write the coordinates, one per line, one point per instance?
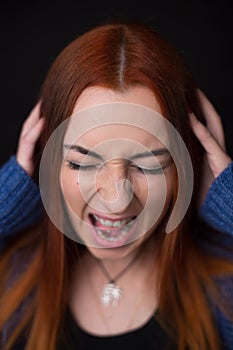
(121, 280)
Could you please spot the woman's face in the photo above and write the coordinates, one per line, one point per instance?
(109, 173)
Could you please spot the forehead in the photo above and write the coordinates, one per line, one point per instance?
(110, 144)
(120, 136)
(98, 132)
(96, 95)
(115, 123)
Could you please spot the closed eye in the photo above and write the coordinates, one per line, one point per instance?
(152, 171)
(143, 170)
(77, 166)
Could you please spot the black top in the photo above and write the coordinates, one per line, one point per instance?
(150, 336)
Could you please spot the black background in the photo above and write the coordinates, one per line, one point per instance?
(32, 34)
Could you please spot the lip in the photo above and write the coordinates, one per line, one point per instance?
(105, 243)
(104, 217)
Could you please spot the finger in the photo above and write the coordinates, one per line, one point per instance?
(213, 119)
(204, 136)
(33, 134)
(31, 119)
(27, 142)
(26, 147)
(218, 159)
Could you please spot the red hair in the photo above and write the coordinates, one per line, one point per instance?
(117, 56)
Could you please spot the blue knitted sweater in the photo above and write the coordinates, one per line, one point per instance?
(20, 203)
(21, 206)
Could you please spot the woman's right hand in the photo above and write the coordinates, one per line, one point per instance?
(31, 130)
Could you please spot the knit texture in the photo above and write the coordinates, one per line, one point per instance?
(20, 202)
(217, 209)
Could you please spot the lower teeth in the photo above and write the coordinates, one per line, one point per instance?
(109, 234)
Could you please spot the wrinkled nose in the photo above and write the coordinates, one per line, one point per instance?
(113, 186)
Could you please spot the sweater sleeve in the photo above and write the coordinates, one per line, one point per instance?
(217, 209)
(20, 202)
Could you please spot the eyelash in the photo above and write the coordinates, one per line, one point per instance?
(77, 166)
(154, 171)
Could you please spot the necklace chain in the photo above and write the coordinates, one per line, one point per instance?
(119, 274)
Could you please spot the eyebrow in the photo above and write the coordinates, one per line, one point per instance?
(82, 150)
(155, 152)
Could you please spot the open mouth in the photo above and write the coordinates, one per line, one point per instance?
(111, 230)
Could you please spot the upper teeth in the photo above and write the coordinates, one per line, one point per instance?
(111, 223)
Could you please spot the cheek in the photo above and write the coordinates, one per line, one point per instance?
(160, 193)
(71, 191)
(152, 190)
(140, 187)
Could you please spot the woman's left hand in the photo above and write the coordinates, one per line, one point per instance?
(212, 139)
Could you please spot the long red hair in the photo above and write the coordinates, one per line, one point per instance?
(116, 56)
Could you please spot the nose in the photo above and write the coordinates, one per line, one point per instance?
(113, 186)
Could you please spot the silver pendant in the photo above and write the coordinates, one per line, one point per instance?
(111, 294)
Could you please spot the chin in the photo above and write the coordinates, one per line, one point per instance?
(116, 253)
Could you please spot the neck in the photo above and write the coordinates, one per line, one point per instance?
(124, 268)
(141, 259)
(138, 286)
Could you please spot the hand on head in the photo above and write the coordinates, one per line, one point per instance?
(31, 130)
(212, 139)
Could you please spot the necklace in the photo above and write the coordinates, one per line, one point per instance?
(107, 321)
(112, 293)
(132, 318)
